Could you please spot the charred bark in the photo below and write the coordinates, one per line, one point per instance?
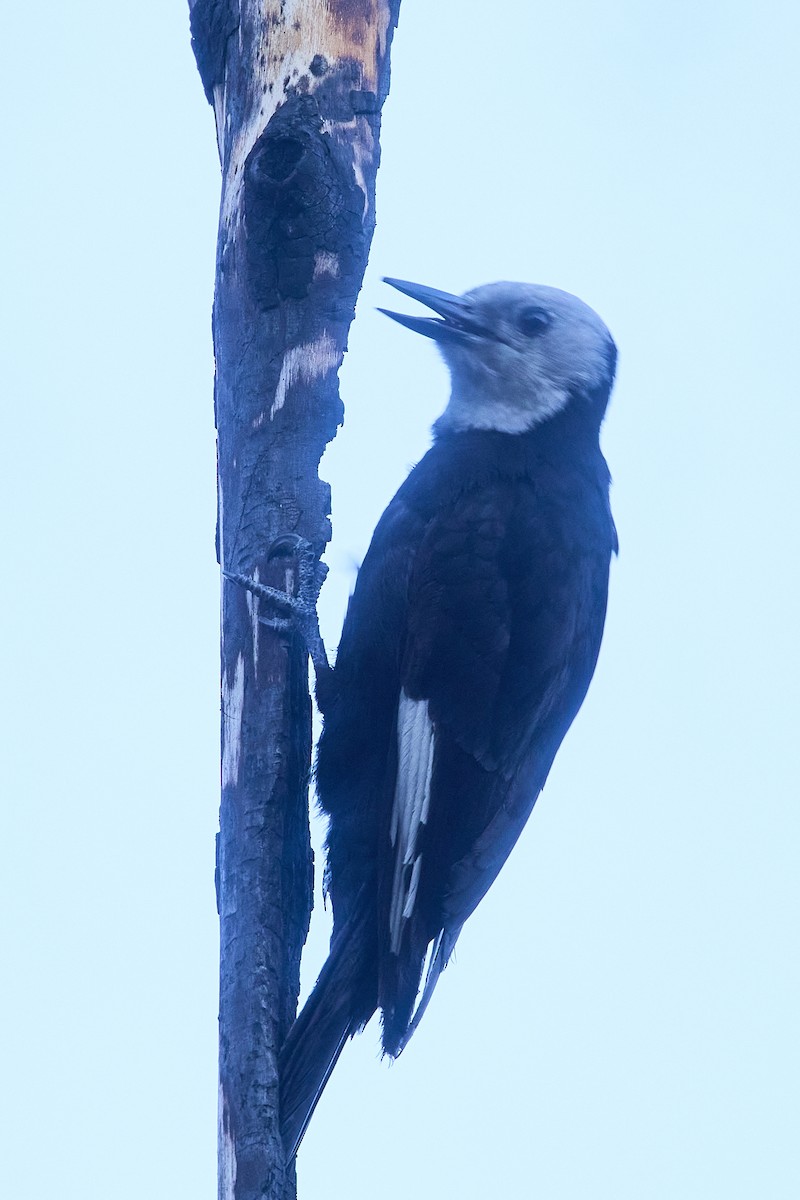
(297, 88)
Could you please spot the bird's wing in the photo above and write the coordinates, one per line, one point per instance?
(415, 746)
(505, 612)
(456, 645)
(357, 748)
(460, 617)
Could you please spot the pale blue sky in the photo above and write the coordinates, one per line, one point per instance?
(621, 1021)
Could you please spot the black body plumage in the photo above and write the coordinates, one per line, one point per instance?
(469, 644)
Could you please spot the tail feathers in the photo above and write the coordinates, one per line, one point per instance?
(441, 954)
(398, 1031)
(336, 1009)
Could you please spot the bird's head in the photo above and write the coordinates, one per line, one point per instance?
(518, 353)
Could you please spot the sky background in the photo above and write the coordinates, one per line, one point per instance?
(622, 1018)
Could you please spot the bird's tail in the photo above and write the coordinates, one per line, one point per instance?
(401, 1018)
(342, 1001)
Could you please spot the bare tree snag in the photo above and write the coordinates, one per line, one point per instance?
(297, 88)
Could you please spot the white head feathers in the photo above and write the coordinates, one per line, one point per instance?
(524, 350)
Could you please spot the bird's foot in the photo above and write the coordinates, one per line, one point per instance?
(294, 612)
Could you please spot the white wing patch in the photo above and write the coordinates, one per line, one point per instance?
(412, 797)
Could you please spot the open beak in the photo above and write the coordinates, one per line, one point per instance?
(458, 320)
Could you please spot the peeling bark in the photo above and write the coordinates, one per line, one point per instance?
(297, 88)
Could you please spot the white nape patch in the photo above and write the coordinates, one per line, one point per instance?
(307, 362)
(412, 797)
(232, 707)
(326, 265)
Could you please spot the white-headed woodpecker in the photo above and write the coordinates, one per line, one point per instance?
(469, 644)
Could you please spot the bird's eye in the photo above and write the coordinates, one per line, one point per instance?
(533, 321)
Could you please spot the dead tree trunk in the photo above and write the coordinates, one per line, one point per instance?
(297, 88)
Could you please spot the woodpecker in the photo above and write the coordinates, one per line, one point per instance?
(468, 647)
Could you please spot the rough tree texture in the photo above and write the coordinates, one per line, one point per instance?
(297, 88)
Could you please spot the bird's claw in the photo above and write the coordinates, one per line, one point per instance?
(311, 572)
(298, 612)
(293, 605)
(288, 544)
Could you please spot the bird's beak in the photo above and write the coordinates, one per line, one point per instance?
(458, 319)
